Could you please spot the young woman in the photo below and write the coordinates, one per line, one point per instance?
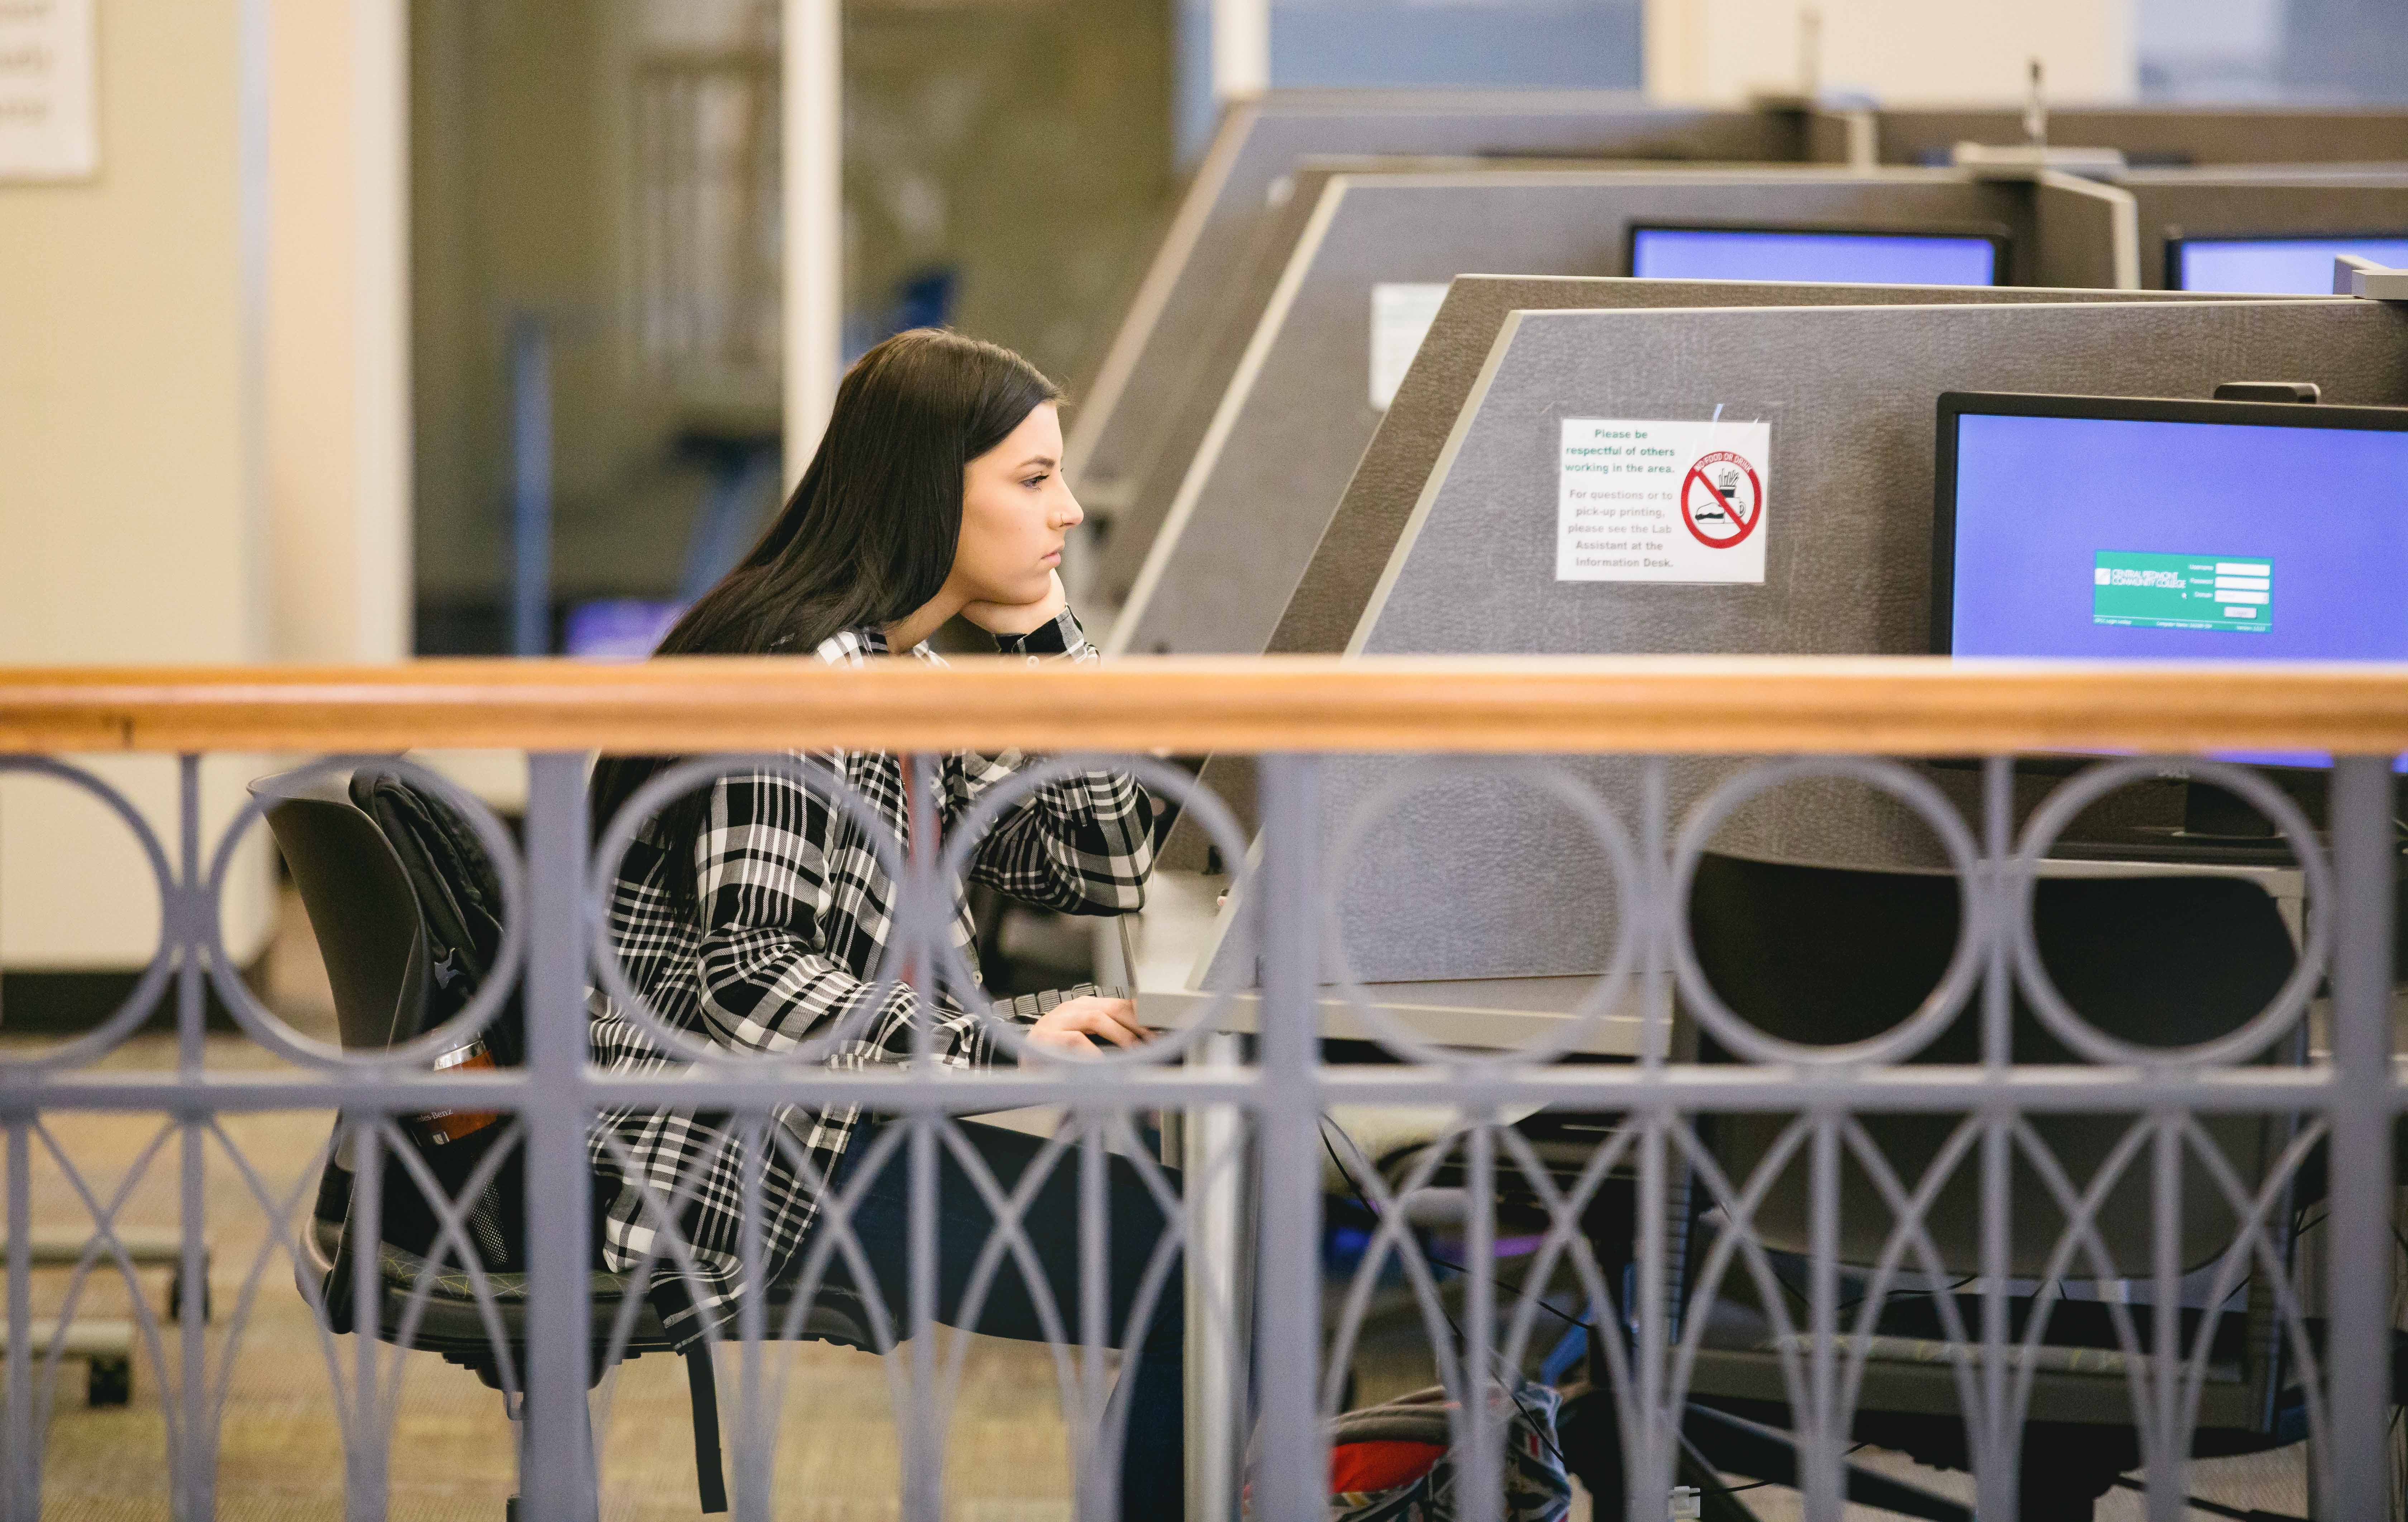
(754, 915)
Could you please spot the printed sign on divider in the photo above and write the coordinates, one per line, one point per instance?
(1661, 501)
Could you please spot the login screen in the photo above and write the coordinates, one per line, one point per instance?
(2143, 540)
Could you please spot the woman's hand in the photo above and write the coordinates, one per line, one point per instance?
(1068, 1026)
(1010, 618)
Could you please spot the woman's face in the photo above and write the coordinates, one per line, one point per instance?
(1015, 512)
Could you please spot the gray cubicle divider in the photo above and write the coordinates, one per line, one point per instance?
(1274, 458)
(1478, 878)
(1260, 142)
(2084, 234)
(2298, 200)
(2157, 135)
(1338, 580)
(1161, 439)
(1336, 583)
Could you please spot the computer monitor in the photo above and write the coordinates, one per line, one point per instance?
(2287, 264)
(2121, 528)
(1847, 255)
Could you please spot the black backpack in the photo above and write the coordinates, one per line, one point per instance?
(460, 907)
(460, 911)
(459, 902)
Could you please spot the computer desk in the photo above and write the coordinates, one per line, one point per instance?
(1160, 961)
(1169, 937)
(1176, 928)
(1158, 955)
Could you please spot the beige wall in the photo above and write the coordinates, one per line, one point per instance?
(337, 364)
(1902, 51)
(121, 446)
(127, 533)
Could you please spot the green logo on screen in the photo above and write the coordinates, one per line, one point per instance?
(2232, 593)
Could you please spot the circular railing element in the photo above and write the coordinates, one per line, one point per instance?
(2252, 1037)
(269, 1030)
(138, 1003)
(1938, 1007)
(840, 795)
(1165, 780)
(1630, 886)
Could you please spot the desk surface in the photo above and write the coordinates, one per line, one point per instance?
(1489, 1014)
(1171, 938)
(1172, 935)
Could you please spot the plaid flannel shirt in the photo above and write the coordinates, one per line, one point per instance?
(781, 942)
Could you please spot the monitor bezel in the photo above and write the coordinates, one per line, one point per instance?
(2001, 241)
(2176, 237)
(1955, 405)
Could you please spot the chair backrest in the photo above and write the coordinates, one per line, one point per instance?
(1826, 956)
(361, 908)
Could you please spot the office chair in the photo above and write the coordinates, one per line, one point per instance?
(1823, 956)
(372, 934)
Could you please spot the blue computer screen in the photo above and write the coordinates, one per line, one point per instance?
(2274, 265)
(2123, 539)
(1721, 254)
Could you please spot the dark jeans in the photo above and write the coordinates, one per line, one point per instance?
(1152, 1469)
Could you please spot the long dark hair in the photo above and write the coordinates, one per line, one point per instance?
(868, 537)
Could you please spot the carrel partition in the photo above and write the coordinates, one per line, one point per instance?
(1239, 515)
(1243, 182)
(2279, 202)
(1849, 394)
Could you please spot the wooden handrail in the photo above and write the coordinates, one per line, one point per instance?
(1903, 706)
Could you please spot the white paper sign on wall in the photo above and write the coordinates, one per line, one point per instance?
(49, 91)
(1655, 501)
(1401, 315)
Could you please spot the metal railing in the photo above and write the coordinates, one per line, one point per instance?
(1269, 1330)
